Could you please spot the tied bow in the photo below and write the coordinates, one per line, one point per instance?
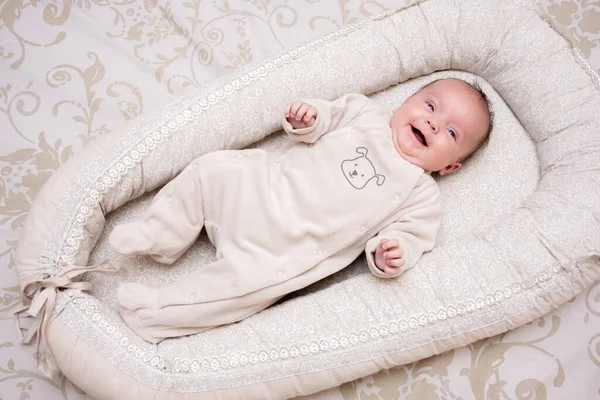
(42, 306)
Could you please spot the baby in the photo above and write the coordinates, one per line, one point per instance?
(354, 180)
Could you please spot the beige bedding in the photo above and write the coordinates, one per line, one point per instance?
(71, 72)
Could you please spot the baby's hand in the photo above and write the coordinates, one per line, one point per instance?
(388, 256)
(300, 115)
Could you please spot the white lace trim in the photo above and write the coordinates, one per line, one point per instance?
(582, 60)
(93, 196)
(146, 353)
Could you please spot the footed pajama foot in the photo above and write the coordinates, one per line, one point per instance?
(132, 238)
(135, 299)
(137, 238)
(144, 313)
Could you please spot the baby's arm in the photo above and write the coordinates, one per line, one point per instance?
(322, 116)
(414, 233)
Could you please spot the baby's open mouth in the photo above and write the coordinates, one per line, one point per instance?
(419, 136)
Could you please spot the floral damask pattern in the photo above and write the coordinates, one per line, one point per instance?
(582, 21)
(72, 70)
(83, 112)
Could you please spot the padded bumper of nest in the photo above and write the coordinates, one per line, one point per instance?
(521, 235)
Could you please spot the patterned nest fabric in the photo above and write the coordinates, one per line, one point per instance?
(91, 66)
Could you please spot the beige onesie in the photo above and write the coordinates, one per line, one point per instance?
(280, 221)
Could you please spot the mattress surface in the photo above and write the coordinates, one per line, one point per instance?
(70, 73)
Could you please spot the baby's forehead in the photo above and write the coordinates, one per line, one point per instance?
(449, 85)
(456, 89)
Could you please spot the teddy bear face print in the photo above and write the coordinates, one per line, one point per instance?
(360, 171)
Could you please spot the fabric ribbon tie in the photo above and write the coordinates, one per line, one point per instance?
(44, 300)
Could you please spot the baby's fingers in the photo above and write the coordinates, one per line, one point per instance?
(287, 110)
(310, 114)
(381, 248)
(390, 270)
(390, 244)
(294, 107)
(394, 253)
(302, 111)
(395, 263)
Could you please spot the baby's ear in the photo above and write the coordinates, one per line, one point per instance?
(450, 168)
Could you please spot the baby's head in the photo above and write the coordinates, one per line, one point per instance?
(441, 125)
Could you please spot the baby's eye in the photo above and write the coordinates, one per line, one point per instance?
(452, 133)
(431, 107)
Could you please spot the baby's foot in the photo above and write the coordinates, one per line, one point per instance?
(135, 301)
(137, 238)
(132, 238)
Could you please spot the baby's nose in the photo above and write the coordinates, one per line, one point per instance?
(432, 125)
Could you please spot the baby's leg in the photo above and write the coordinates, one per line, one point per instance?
(170, 225)
(193, 304)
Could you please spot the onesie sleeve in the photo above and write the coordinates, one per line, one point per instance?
(348, 110)
(416, 229)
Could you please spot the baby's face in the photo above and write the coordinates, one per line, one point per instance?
(440, 125)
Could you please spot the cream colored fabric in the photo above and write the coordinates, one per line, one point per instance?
(280, 222)
(60, 124)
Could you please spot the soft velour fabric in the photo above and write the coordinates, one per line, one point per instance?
(532, 258)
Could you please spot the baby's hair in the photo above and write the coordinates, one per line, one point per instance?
(475, 85)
